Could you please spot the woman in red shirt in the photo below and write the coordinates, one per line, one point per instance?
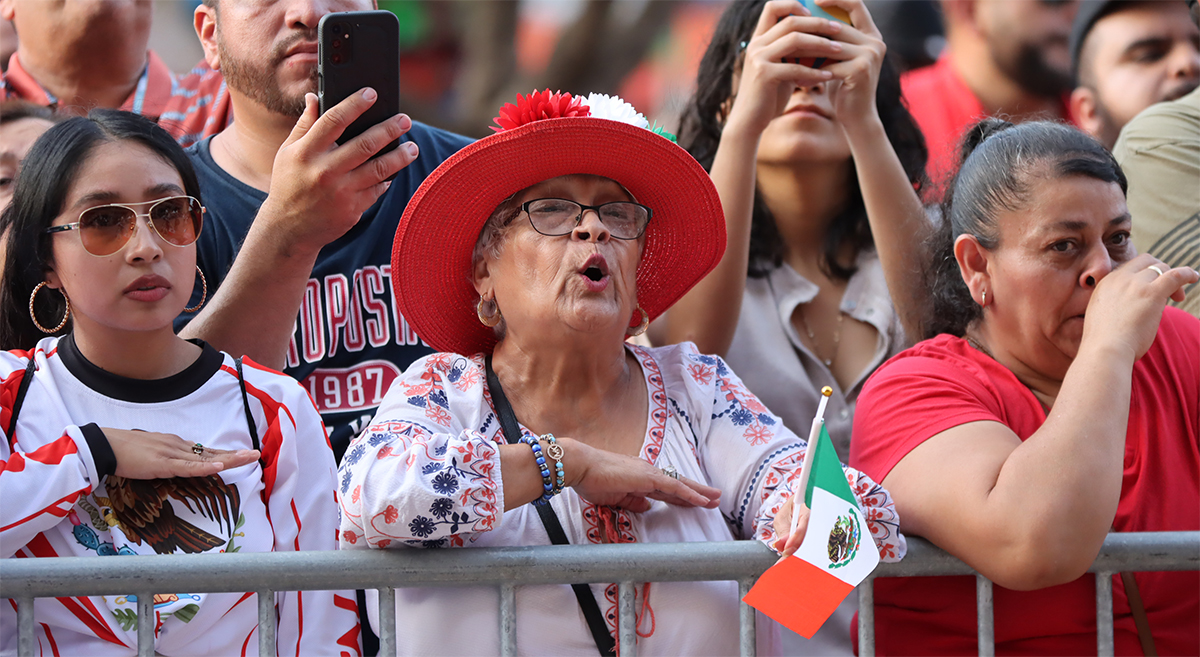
(1054, 401)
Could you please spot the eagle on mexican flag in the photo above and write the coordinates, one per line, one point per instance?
(803, 590)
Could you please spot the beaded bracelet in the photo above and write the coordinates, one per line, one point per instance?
(547, 484)
(555, 451)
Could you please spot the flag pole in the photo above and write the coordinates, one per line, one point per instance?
(813, 435)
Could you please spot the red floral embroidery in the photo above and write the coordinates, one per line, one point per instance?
(537, 106)
(350, 537)
(390, 514)
(354, 496)
(702, 374)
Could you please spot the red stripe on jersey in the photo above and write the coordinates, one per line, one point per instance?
(299, 594)
(40, 547)
(247, 361)
(8, 396)
(349, 639)
(53, 509)
(50, 638)
(247, 641)
(53, 453)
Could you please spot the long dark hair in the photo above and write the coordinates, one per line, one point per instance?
(704, 118)
(46, 176)
(999, 163)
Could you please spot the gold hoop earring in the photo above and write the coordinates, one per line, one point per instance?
(984, 304)
(203, 292)
(484, 319)
(66, 315)
(642, 326)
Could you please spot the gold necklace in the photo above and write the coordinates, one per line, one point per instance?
(837, 337)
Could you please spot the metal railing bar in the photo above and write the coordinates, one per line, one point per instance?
(866, 617)
(1104, 614)
(627, 619)
(985, 619)
(145, 624)
(370, 569)
(266, 622)
(387, 621)
(747, 634)
(508, 620)
(25, 626)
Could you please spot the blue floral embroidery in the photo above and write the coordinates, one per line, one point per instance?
(431, 468)
(741, 417)
(421, 526)
(440, 450)
(439, 397)
(377, 438)
(439, 543)
(356, 454)
(445, 483)
(417, 401)
(345, 481)
(721, 369)
(441, 507)
(707, 360)
(766, 419)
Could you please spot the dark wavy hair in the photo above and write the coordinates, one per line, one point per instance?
(999, 163)
(704, 118)
(46, 177)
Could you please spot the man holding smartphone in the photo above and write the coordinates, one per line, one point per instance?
(298, 233)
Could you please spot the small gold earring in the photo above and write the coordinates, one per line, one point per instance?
(641, 327)
(203, 293)
(984, 304)
(484, 319)
(66, 315)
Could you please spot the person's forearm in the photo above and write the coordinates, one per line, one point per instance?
(898, 221)
(254, 311)
(1061, 486)
(708, 314)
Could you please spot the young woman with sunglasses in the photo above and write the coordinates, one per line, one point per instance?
(121, 438)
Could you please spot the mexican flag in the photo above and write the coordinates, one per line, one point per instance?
(803, 590)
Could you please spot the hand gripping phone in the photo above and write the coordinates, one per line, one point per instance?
(359, 49)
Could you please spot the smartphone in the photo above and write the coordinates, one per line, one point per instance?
(833, 14)
(359, 49)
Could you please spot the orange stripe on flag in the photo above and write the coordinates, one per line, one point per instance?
(798, 594)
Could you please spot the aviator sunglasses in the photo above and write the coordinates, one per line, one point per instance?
(106, 229)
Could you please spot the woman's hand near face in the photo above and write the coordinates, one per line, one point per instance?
(1127, 304)
(151, 455)
(858, 67)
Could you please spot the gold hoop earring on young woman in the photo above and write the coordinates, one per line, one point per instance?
(32, 316)
(484, 319)
(984, 304)
(203, 292)
(641, 327)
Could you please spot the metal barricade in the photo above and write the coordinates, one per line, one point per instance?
(506, 568)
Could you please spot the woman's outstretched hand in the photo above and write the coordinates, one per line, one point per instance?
(788, 541)
(151, 455)
(1127, 304)
(607, 479)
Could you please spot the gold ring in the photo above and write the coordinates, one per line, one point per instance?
(1155, 268)
(198, 449)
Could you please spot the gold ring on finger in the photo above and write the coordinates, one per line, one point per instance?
(1157, 269)
(198, 449)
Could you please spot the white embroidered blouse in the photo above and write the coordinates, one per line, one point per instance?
(426, 473)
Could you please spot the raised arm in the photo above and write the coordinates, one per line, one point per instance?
(319, 190)
(708, 314)
(1033, 514)
(898, 221)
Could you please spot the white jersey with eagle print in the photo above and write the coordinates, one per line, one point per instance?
(61, 500)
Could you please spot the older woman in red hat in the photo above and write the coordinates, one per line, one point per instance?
(528, 258)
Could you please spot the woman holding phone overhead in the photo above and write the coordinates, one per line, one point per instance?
(121, 438)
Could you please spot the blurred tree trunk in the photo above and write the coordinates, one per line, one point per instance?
(593, 54)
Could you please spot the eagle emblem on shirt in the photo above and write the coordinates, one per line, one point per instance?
(144, 509)
(844, 538)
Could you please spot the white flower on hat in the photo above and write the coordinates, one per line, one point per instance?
(614, 108)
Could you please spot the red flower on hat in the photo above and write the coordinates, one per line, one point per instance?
(537, 106)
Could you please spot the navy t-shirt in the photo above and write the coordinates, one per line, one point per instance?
(350, 340)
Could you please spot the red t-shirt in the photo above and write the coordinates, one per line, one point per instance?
(944, 107)
(942, 383)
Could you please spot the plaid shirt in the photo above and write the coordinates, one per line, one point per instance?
(190, 106)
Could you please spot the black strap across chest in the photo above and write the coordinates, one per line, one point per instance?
(583, 593)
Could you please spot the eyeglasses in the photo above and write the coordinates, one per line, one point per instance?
(106, 229)
(557, 216)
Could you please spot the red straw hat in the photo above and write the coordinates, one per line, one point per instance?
(545, 136)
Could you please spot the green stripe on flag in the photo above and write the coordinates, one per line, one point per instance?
(827, 472)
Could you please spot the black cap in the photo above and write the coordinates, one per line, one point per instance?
(1089, 12)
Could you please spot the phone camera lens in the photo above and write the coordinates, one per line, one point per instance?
(337, 43)
(337, 58)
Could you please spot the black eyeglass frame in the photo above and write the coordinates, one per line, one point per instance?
(583, 208)
(78, 225)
